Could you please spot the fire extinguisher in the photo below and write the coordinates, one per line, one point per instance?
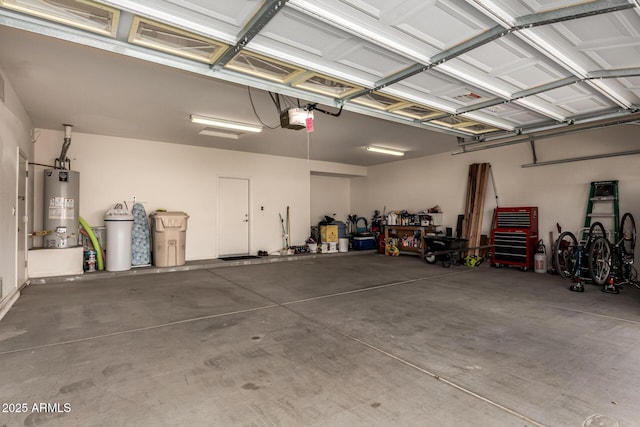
(540, 258)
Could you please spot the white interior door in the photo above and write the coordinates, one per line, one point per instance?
(233, 216)
(21, 220)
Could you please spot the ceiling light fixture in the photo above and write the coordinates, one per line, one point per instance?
(225, 124)
(385, 151)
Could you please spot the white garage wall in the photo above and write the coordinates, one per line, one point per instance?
(181, 178)
(331, 196)
(560, 191)
(178, 177)
(14, 136)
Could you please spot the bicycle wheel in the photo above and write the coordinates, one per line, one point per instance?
(628, 230)
(600, 255)
(565, 253)
(596, 230)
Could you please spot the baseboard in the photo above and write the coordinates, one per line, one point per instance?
(8, 301)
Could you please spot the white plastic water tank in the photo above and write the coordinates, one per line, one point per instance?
(540, 258)
(343, 244)
(119, 224)
(540, 262)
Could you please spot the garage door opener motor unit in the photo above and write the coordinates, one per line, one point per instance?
(295, 118)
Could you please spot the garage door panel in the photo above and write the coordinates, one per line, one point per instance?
(609, 26)
(375, 9)
(620, 54)
(429, 82)
(371, 59)
(512, 61)
(299, 38)
(442, 25)
(465, 96)
(630, 86)
(576, 99)
(233, 12)
(529, 74)
(607, 41)
(442, 86)
(514, 114)
(515, 9)
(371, 20)
(458, 68)
(299, 32)
(611, 40)
(435, 89)
(222, 20)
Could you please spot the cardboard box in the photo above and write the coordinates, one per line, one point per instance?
(328, 233)
(55, 262)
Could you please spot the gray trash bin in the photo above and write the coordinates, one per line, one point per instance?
(119, 223)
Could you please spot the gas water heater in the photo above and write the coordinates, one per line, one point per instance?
(61, 208)
(61, 201)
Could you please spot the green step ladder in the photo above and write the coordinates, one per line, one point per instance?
(604, 192)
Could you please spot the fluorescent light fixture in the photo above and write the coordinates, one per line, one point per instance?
(225, 124)
(385, 151)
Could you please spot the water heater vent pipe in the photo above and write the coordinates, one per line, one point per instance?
(61, 162)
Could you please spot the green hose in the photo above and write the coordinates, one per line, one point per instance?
(94, 241)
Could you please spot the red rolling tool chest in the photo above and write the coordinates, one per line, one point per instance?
(515, 237)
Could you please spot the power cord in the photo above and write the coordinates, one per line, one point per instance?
(256, 112)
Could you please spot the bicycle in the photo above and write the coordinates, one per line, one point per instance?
(611, 265)
(571, 255)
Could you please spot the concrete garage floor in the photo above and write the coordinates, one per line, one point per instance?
(362, 340)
